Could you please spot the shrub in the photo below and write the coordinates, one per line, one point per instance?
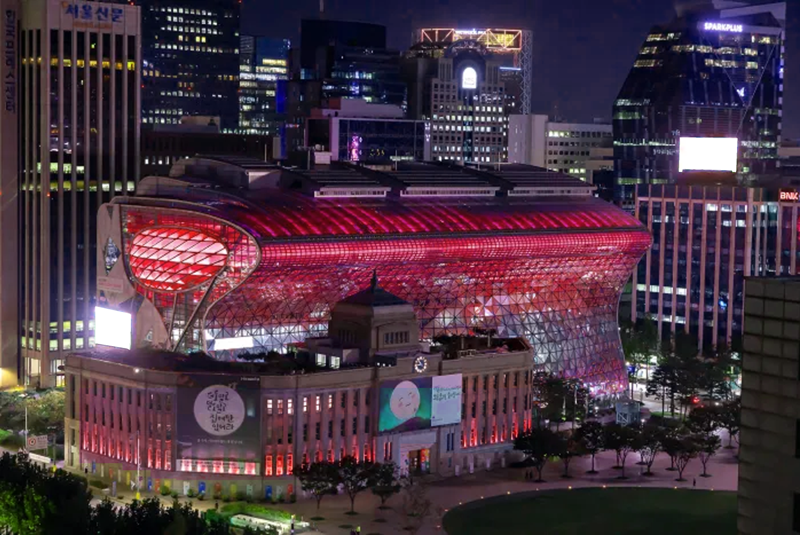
(217, 496)
(281, 499)
(190, 494)
(12, 442)
(98, 484)
(201, 496)
(226, 498)
(174, 493)
(254, 509)
(165, 490)
(292, 498)
(241, 496)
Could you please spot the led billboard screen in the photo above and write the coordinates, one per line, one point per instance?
(112, 328)
(446, 400)
(405, 405)
(219, 417)
(708, 154)
(419, 403)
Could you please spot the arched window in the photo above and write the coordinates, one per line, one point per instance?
(469, 78)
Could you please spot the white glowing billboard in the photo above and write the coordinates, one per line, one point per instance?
(708, 154)
(112, 328)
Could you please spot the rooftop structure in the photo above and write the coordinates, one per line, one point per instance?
(516, 45)
(255, 259)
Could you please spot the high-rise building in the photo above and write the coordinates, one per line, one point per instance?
(190, 52)
(263, 64)
(350, 60)
(769, 449)
(512, 48)
(706, 240)
(461, 93)
(340, 60)
(10, 12)
(557, 146)
(79, 130)
(715, 72)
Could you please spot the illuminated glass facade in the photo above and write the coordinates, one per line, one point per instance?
(548, 269)
(706, 240)
(700, 78)
(80, 75)
(263, 65)
(190, 50)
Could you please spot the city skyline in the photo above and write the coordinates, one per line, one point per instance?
(573, 42)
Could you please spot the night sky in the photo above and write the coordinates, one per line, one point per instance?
(583, 49)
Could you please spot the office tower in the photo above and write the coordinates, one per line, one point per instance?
(9, 183)
(513, 48)
(190, 52)
(340, 60)
(263, 63)
(769, 489)
(715, 72)
(460, 91)
(706, 240)
(80, 125)
(350, 60)
(569, 148)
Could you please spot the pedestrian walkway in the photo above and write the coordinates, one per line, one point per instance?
(448, 493)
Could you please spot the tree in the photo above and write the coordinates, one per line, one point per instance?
(568, 449)
(36, 501)
(703, 420)
(385, 481)
(707, 446)
(416, 505)
(639, 342)
(687, 451)
(729, 415)
(648, 444)
(590, 435)
(671, 445)
(621, 439)
(538, 444)
(319, 479)
(354, 477)
(723, 366)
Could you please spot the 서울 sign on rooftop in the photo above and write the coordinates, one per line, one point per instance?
(723, 27)
(93, 12)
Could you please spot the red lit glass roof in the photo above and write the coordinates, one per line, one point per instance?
(293, 215)
(175, 259)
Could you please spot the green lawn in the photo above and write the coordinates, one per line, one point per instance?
(618, 511)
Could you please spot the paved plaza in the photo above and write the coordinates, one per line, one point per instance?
(451, 492)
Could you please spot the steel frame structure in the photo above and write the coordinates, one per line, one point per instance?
(547, 271)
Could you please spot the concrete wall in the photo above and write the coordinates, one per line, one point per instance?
(769, 470)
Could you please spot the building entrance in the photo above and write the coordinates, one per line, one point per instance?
(419, 461)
